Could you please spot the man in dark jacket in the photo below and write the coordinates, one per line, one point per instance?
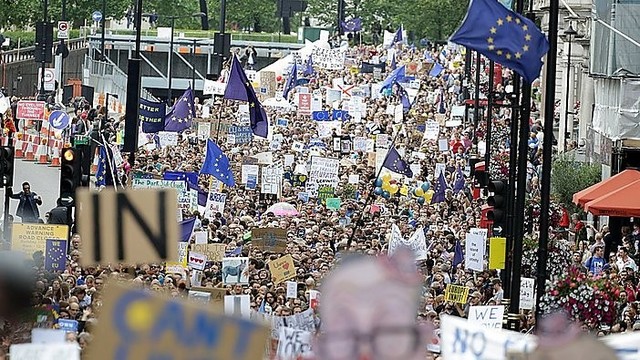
(29, 202)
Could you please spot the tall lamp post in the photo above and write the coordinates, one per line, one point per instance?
(569, 34)
(170, 75)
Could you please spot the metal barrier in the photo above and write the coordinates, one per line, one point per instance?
(27, 53)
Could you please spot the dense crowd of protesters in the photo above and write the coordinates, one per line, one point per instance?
(318, 237)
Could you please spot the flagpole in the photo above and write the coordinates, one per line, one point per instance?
(370, 196)
(220, 119)
(106, 150)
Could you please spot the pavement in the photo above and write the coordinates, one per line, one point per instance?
(44, 180)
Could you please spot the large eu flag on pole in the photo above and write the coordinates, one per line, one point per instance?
(181, 114)
(152, 116)
(503, 36)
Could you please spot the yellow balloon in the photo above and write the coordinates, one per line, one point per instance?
(394, 188)
(427, 197)
(404, 190)
(386, 186)
(386, 177)
(419, 192)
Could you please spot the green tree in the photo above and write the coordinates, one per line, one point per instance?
(25, 13)
(569, 176)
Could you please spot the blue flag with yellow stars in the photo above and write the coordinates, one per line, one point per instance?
(181, 114)
(106, 168)
(55, 255)
(216, 163)
(503, 36)
(394, 163)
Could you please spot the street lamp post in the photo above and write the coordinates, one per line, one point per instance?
(170, 75)
(569, 33)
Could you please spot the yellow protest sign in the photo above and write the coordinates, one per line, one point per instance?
(456, 293)
(135, 324)
(30, 238)
(282, 269)
(497, 252)
(214, 252)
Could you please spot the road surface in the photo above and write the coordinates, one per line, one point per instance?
(44, 180)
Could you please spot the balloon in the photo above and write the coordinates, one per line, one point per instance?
(419, 192)
(377, 191)
(428, 195)
(278, 78)
(386, 177)
(378, 183)
(426, 186)
(386, 194)
(421, 200)
(394, 188)
(404, 190)
(393, 181)
(386, 186)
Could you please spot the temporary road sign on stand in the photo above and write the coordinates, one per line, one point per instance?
(49, 79)
(63, 29)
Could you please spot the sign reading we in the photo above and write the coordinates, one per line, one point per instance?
(133, 226)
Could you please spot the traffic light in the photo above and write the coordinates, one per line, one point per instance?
(498, 202)
(70, 172)
(6, 165)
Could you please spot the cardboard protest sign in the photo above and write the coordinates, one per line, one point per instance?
(29, 238)
(293, 343)
(303, 321)
(487, 316)
(213, 252)
(107, 217)
(135, 324)
(216, 295)
(456, 293)
(196, 261)
(269, 239)
(282, 269)
(234, 270)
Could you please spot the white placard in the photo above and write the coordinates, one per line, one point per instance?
(167, 138)
(294, 344)
(354, 178)
(248, 170)
(215, 203)
(292, 289)
(197, 261)
(44, 351)
(527, 293)
(443, 145)
(237, 306)
(324, 170)
(487, 316)
(289, 159)
(475, 246)
(204, 130)
(417, 242)
(48, 336)
(201, 237)
(330, 59)
(431, 130)
(398, 113)
(213, 87)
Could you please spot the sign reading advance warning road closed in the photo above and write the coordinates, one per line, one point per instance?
(30, 110)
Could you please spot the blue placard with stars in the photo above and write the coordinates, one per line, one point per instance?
(55, 255)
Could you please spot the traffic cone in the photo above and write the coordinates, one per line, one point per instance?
(55, 158)
(41, 153)
(19, 148)
(30, 154)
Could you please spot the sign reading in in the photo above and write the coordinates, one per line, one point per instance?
(131, 226)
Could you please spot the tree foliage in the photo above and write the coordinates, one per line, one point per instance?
(569, 176)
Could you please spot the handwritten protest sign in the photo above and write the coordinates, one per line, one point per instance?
(324, 170)
(293, 343)
(487, 316)
(29, 238)
(417, 242)
(456, 293)
(304, 321)
(474, 252)
(527, 293)
(44, 351)
(330, 59)
(215, 203)
(135, 324)
(196, 261)
(167, 138)
(269, 239)
(282, 269)
(213, 252)
(179, 185)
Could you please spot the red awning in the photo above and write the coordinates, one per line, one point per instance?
(624, 202)
(605, 187)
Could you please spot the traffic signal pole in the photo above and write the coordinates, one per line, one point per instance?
(5, 229)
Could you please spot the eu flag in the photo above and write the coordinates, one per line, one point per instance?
(404, 98)
(238, 83)
(186, 229)
(352, 25)
(292, 79)
(393, 62)
(341, 115)
(396, 75)
(503, 36)
(397, 37)
(308, 70)
(320, 115)
(257, 116)
(105, 172)
(181, 114)
(458, 256)
(394, 163)
(190, 177)
(460, 182)
(436, 70)
(439, 189)
(217, 164)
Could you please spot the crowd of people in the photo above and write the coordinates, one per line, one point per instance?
(319, 237)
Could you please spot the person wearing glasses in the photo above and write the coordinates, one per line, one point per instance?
(29, 201)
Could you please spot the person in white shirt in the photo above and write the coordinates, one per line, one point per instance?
(624, 261)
